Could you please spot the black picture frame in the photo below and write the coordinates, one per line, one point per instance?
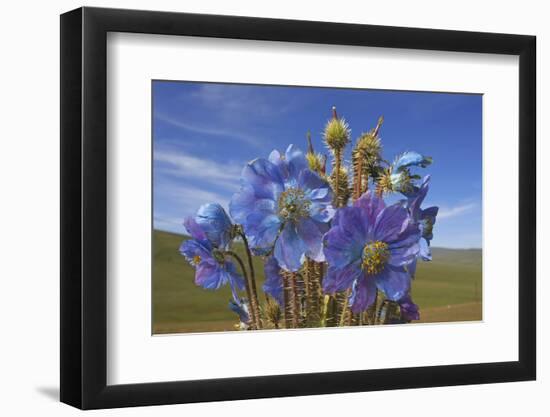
(84, 207)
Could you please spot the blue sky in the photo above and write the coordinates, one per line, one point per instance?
(204, 133)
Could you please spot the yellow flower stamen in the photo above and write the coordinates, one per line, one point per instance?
(375, 256)
(196, 259)
(293, 204)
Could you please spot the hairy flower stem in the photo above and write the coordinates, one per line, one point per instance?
(253, 317)
(357, 178)
(332, 311)
(345, 310)
(287, 313)
(337, 163)
(272, 312)
(301, 299)
(371, 311)
(295, 304)
(254, 293)
(324, 313)
(342, 311)
(313, 292)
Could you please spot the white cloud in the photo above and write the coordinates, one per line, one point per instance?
(448, 212)
(170, 224)
(211, 131)
(184, 200)
(188, 166)
(235, 102)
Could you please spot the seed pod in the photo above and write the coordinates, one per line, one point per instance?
(340, 186)
(336, 134)
(272, 313)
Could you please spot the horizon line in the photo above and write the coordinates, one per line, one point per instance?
(433, 247)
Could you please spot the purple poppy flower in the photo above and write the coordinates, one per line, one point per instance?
(216, 224)
(240, 307)
(409, 159)
(212, 269)
(285, 206)
(273, 284)
(401, 178)
(409, 310)
(425, 218)
(369, 246)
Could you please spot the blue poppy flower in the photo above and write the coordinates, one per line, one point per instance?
(284, 206)
(240, 307)
(212, 269)
(273, 284)
(369, 246)
(409, 159)
(216, 224)
(400, 177)
(409, 310)
(425, 218)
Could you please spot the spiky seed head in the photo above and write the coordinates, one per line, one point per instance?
(389, 181)
(272, 312)
(309, 143)
(376, 130)
(368, 147)
(323, 164)
(384, 184)
(315, 162)
(404, 182)
(336, 134)
(344, 190)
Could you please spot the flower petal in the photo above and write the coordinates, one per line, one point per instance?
(371, 205)
(341, 279)
(403, 255)
(411, 268)
(264, 177)
(363, 294)
(192, 248)
(296, 161)
(194, 229)
(234, 278)
(239, 307)
(215, 222)
(321, 212)
(290, 248)
(262, 230)
(424, 250)
(319, 194)
(245, 202)
(394, 281)
(409, 310)
(344, 243)
(311, 232)
(273, 284)
(309, 180)
(391, 222)
(210, 276)
(408, 159)
(416, 200)
(278, 160)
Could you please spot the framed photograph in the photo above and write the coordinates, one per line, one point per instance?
(257, 208)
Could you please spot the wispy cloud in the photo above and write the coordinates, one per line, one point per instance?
(191, 167)
(210, 131)
(448, 212)
(171, 224)
(239, 101)
(184, 201)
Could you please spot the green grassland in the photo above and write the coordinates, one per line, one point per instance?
(446, 289)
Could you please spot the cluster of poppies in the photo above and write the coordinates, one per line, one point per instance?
(333, 252)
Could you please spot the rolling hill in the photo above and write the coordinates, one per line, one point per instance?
(447, 289)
